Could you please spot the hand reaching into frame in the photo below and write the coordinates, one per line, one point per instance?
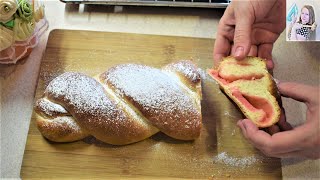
(250, 27)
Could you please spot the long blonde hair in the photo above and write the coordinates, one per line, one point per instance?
(312, 19)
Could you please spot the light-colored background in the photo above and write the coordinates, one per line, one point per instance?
(295, 61)
(316, 7)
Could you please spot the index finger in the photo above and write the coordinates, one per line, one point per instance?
(299, 92)
(225, 33)
(222, 48)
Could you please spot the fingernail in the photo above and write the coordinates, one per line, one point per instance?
(239, 122)
(244, 126)
(270, 65)
(239, 51)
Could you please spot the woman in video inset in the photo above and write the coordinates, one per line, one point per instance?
(305, 28)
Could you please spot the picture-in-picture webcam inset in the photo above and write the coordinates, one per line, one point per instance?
(303, 20)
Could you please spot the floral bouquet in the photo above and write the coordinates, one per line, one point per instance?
(22, 22)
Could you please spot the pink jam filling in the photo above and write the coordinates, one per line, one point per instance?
(244, 101)
(255, 104)
(252, 103)
(263, 104)
(215, 75)
(231, 77)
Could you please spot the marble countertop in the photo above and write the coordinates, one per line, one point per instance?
(294, 62)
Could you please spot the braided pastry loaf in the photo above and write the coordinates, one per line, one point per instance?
(126, 104)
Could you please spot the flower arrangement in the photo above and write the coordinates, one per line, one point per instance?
(18, 28)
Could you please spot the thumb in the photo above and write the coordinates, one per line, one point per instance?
(282, 142)
(299, 92)
(242, 35)
(247, 126)
(252, 133)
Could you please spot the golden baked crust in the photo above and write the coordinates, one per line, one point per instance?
(126, 104)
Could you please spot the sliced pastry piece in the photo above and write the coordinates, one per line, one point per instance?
(249, 84)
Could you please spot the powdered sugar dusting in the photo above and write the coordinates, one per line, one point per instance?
(87, 99)
(49, 108)
(81, 91)
(152, 88)
(67, 123)
(151, 91)
(154, 92)
(187, 69)
(226, 113)
(242, 162)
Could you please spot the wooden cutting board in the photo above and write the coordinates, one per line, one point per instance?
(220, 151)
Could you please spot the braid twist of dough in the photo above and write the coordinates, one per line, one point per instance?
(126, 104)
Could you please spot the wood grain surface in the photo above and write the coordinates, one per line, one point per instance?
(220, 152)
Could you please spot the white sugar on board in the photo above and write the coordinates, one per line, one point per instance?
(240, 162)
(226, 113)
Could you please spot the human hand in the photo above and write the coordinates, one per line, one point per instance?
(250, 28)
(314, 26)
(294, 19)
(302, 141)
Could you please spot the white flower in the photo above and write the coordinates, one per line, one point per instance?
(7, 9)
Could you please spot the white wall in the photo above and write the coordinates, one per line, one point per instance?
(316, 7)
